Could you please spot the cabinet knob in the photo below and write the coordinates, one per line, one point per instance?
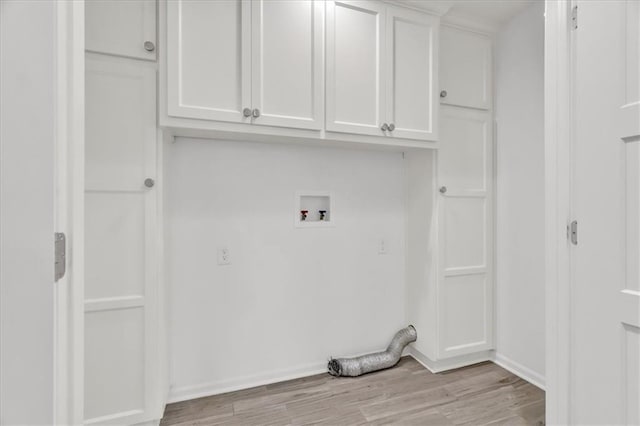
(443, 94)
(443, 189)
(392, 127)
(149, 183)
(149, 46)
(384, 127)
(246, 112)
(256, 113)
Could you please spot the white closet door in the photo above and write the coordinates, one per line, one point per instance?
(412, 52)
(209, 59)
(287, 62)
(465, 64)
(121, 27)
(466, 232)
(120, 226)
(355, 74)
(605, 262)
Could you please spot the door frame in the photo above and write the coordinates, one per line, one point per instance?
(559, 125)
(68, 321)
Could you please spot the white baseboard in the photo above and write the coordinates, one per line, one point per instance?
(230, 385)
(449, 363)
(520, 370)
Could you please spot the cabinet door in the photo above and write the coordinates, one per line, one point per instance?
(412, 44)
(465, 68)
(287, 62)
(121, 337)
(209, 59)
(465, 286)
(121, 27)
(355, 75)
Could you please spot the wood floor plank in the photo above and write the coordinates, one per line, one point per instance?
(407, 394)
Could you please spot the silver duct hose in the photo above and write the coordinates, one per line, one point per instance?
(377, 361)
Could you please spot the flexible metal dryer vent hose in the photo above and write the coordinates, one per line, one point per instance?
(377, 361)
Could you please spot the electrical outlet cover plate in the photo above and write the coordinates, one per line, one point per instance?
(224, 257)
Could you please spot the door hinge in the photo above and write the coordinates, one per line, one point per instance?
(574, 18)
(572, 232)
(60, 255)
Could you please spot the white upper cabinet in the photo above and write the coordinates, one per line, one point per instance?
(355, 70)
(124, 28)
(209, 59)
(287, 63)
(381, 70)
(466, 57)
(246, 61)
(412, 46)
(364, 71)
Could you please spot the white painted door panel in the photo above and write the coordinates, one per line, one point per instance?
(287, 65)
(465, 68)
(355, 67)
(209, 59)
(120, 241)
(466, 232)
(411, 52)
(605, 326)
(121, 27)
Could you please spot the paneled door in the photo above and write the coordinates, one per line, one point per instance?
(465, 179)
(287, 63)
(355, 71)
(125, 28)
(209, 59)
(605, 302)
(121, 380)
(412, 74)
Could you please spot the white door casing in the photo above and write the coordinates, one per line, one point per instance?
(288, 63)
(412, 68)
(121, 340)
(209, 59)
(465, 291)
(355, 84)
(121, 27)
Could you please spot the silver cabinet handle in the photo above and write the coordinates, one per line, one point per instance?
(246, 112)
(149, 46)
(256, 113)
(149, 183)
(384, 127)
(443, 94)
(443, 189)
(392, 127)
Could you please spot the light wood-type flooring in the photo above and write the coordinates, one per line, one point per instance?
(406, 394)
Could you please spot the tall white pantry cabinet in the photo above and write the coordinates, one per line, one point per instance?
(349, 72)
(124, 372)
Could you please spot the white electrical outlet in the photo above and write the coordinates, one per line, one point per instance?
(224, 257)
(382, 247)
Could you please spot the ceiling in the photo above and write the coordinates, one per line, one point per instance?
(494, 13)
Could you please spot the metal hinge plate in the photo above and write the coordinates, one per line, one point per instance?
(574, 18)
(573, 232)
(60, 255)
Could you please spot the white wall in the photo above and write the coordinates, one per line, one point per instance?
(520, 192)
(291, 297)
(421, 301)
(26, 215)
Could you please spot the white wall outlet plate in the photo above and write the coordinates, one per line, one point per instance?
(224, 257)
(382, 246)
